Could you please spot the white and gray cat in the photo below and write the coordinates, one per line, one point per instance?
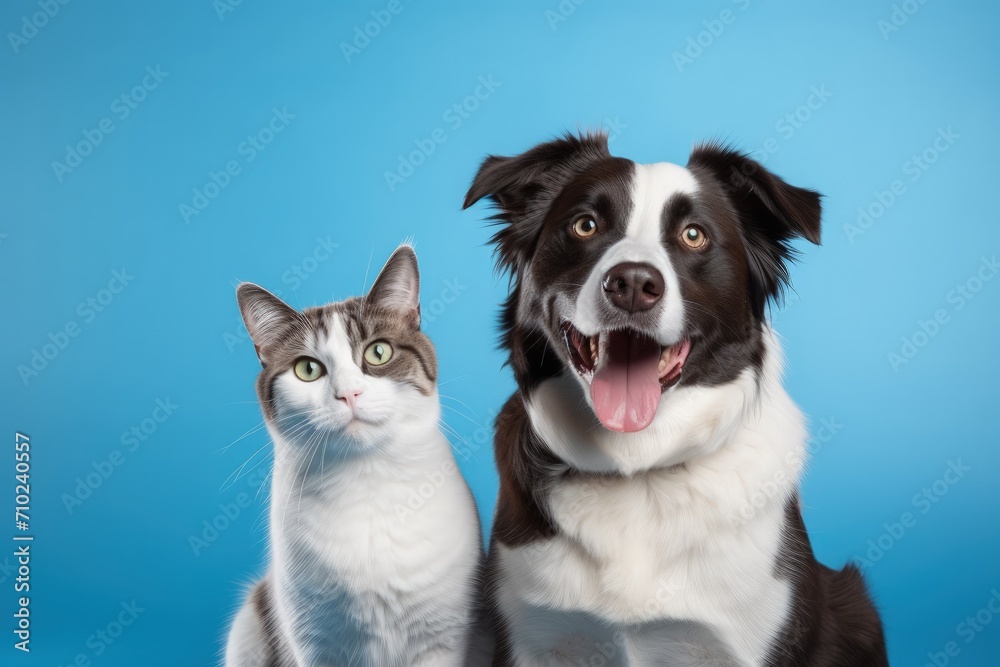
(360, 574)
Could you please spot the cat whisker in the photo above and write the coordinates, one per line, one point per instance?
(462, 415)
(395, 441)
(457, 400)
(240, 472)
(255, 429)
(235, 476)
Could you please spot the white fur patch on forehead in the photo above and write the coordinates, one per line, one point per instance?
(339, 349)
(652, 187)
(338, 341)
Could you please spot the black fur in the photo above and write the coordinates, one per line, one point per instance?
(750, 216)
(771, 213)
(833, 623)
(523, 189)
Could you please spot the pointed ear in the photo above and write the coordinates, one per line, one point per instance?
(398, 285)
(771, 211)
(267, 317)
(522, 187)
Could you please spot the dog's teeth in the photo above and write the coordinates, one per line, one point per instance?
(593, 347)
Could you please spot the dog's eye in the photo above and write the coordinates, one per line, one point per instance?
(694, 237)
(585, 227)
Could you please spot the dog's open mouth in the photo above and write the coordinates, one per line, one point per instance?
(627, 371)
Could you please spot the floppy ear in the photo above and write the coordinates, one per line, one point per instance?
(771, 211)
(267, 317)
(397, 287)
(521, 187)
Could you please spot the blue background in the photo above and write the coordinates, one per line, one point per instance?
(174, 333)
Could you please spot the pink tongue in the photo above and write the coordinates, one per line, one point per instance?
(626, 388)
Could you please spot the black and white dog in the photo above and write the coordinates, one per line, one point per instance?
(648, 510)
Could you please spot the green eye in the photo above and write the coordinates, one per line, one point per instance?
(308, 369)
(378, 353)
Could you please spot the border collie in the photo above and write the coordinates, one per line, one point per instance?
(648, 511)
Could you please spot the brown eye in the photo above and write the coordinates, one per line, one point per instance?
(585, 227)
(694, 237)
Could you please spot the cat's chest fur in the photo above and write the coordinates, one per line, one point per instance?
(361, 561)
(371, 519)
(375, 541)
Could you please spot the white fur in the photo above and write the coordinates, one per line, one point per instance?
(673, 560)
(245, 646)
(652, 186)
(374, 541)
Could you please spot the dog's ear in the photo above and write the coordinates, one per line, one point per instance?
(771, 211)
(521, 188)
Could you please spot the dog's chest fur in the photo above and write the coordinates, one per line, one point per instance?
(670, 562)
(645, 527)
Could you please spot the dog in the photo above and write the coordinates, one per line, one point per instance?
(648, 511)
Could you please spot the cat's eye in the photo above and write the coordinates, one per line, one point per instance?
(694, 237)
(308, 369)
(585, 227)
(378, 353)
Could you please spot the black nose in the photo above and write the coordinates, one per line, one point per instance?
(633, 287)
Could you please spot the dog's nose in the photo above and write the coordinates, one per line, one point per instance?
(633, 286)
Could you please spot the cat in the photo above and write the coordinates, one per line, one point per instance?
(375, 543)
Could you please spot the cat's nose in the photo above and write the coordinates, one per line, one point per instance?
(350, 397)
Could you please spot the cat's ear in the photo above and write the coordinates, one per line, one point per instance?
(267, 317)
(397, 287)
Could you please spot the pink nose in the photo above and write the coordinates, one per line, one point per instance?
(350, 397)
